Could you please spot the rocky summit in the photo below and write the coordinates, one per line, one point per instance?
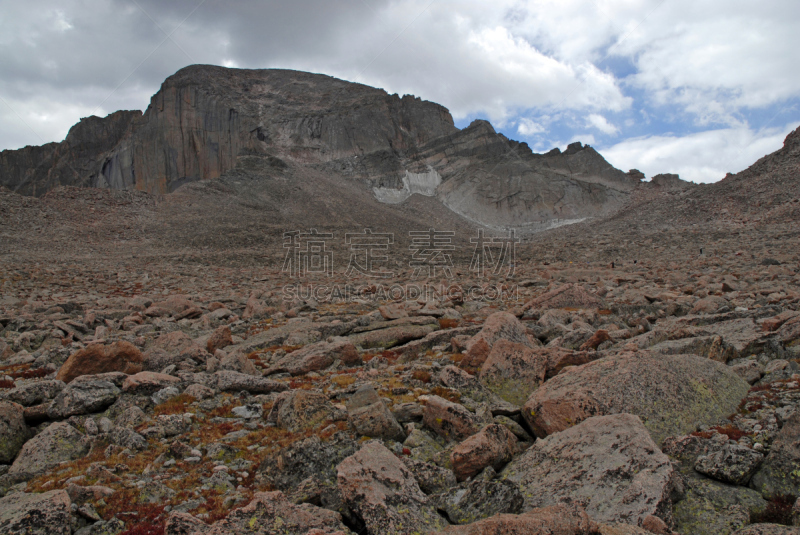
(281, 303)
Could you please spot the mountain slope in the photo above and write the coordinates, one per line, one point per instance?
(207, 121)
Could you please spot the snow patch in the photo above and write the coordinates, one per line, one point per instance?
(422, 183)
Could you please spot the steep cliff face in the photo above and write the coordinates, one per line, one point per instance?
(207, 121)
(204, 118)
(76, 161)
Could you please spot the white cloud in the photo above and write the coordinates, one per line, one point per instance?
(528, 127)
(601, 123)
(701, 157)
(578, 61)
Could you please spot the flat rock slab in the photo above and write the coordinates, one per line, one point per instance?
(269, 513)
(393, 336)
(315, 357)
(36, 514)
(607, 463)
(555, 520)
(230, 381)
(672, 394)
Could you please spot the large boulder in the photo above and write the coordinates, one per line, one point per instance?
(513, 371)
(672, 394)
(307, 458)
(561, 519)
(34, 393)
(779, 475)
(498, 326)
(219, 339)
(370, 416)
(315, 357)
(731, 463)
(709, 507)
(381, 490)
(608, 463)
(170, 348)
(58, 442)
(269, 513)
(478, 499)
(84, 395)
(36, 514)
(392, 336)
(99, 358)
(449, 420)
(492, 446)
(470, 387)
(13, 431)
(148, 383)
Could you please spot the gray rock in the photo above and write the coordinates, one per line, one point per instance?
(407, 412)
(369, 415)
(248, 411)
(382, 491)
(165, 394)
(311, 457)
(36, 514)
(13, 431)
(130, 417)
(432, 479)
(672, 394)
(779, 474)
(469, 386)
(478, 499)
(127, 438)
(34, 393)
(58, 442)
(713, 508)
(83, 395)
(733, 463)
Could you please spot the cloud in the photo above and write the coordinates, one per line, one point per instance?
(601, 123)
(701, 157)
(546, 70)
(527, 127)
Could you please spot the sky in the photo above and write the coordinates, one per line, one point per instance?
(698, 88)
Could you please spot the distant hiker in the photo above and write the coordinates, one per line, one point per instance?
(612, 265)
